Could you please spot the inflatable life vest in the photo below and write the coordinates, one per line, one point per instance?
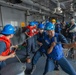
(32, 30)
(8, 44)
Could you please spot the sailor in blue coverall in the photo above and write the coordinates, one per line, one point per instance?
(58, 27)
(40, 52)
(53, 45)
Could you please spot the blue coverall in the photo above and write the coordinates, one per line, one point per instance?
(39, 52)
(2, 48)
(56, 55)
(58, 28)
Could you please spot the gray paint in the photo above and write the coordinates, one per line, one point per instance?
(14, 69)
(12, 15)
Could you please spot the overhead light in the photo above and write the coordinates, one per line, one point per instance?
(61, 11)
(71, 8)
(58, 10)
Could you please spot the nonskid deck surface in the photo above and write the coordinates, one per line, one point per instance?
(40, 65)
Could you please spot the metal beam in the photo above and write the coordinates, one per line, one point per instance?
(36, 5)
(17, 6)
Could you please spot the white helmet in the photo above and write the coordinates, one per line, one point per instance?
(73, 20)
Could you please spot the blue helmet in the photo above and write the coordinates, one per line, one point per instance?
(49, 26)
(32, 23)
(8, 29)
(36, 23)
(41, 26)
(47, 21)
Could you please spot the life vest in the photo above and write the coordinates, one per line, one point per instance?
(8, 44)
(57, 51)
(32, 30)
(35, 30)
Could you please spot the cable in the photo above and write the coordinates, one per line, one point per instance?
(18, 59)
